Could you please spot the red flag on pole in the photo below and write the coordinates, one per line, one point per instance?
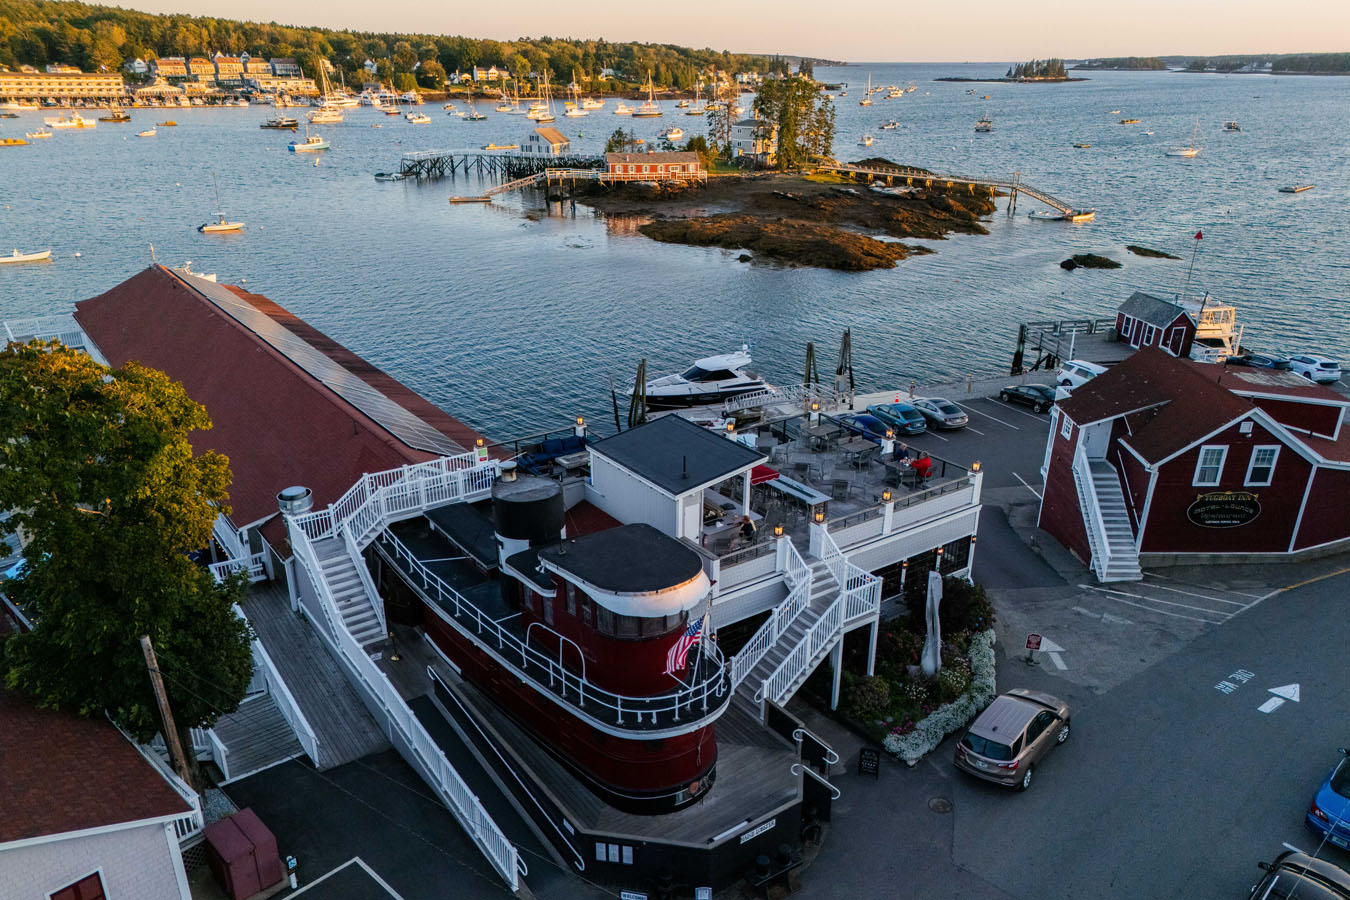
(1199, 235)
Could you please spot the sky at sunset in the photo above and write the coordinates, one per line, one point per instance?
(865, 30)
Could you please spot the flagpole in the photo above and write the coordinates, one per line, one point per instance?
(1194, 251)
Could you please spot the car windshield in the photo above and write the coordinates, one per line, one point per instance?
(1340, 781)
(948, 409)
(987, 748)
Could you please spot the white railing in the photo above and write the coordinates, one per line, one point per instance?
(367, 585)
(798, 576)
(743, 566)
(281, 695)
(1092, 513)
(547, 674)
(255, 565)
(793, 393)
(382, 497)
(462, 802)
(188, 827)
(859, 589)
(819, 638)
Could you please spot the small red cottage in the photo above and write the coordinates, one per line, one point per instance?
(1146, 321)
(1162, 461)
(654, 166)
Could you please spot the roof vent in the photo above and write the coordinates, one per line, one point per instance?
(295, 501)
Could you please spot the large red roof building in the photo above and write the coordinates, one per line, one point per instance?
(1162, 460)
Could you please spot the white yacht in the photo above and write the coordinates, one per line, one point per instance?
(674, 133)
(1217, 333)
(711, 380)
(984, 125)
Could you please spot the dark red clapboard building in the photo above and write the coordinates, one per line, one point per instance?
(1147, 321)
(1163, 460)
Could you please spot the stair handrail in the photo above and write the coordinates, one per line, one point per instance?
(800, 769)
(368, 586)
(281, 695)
(798, 576)
(459, 798)
(860, 589)
(1091, 511)
(819, 637)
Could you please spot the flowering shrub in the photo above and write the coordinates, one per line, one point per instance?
(912, 744)
(952, 682)
(869, 698)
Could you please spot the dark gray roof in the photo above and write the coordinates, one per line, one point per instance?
(1150, 309)
(630, 559)
(676, 455)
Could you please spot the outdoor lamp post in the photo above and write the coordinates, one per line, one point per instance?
(820, 516)
(580, 429)
(888, 445)
(480, 450)
(886, 496)
(815, 412)
(975, 466)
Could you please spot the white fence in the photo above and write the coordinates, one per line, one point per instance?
(281, 696)
(188, 827)
(780, 620)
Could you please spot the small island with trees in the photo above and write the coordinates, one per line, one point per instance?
(1037, 71)
(1124, 64)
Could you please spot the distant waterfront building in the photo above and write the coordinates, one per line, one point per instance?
(546, 142)
(256, 66)
(158, 90)
(491, 73)
(199, 65)
(86, 814)
(169, 67)
(77, 85)
(272, 84)
(755, 139)
(285, 67)
(137, 66)
(62, 69)
(229, 69)
(654, 166)
(371, 66)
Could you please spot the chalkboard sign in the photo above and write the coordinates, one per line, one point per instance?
(869, 762)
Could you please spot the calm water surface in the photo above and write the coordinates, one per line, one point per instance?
(516, 315)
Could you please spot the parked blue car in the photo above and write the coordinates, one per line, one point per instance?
(867, 426)
(1329, 813)
(904, 418)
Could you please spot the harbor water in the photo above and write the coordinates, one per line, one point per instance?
(517, 314)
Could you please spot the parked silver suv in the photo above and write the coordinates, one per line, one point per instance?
(1009, 738)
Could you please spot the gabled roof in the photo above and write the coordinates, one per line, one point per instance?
(278, 424)
(1150, 309)
(1280, 383)
(665, 158)
(552, 135)
(676, 455)
(62, 773)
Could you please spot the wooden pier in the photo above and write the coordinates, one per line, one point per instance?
(910, 175)
(1052, 342)
(506, 164)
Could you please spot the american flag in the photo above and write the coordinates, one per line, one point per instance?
(679, 651)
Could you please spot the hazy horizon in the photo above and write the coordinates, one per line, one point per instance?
(1041, 28)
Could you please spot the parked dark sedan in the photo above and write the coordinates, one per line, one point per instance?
(867, 426)
(1259, 361)
(1039, 397)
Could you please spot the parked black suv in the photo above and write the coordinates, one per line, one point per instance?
(1302, 877)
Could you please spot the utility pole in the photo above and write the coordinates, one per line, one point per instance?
(165, 714)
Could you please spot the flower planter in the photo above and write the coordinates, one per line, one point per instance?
(932, 729)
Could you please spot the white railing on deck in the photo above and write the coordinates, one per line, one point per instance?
(366, 584)
(281, 696)
(798, 576)
(702, 697)
(255, 565)
(1092, 513)
(860, 589)
(461, 801)
(189, 825)
(383, 497)
(814, 644)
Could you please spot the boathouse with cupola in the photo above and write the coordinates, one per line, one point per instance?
(1164, 461)
(1146, 321)
(584, 617)
(656, 166)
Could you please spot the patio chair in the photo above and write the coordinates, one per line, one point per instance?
(840, 489)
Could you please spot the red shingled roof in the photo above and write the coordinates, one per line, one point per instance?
(1185, 400)
(63, 773)
(278, 424)
(1278, 382)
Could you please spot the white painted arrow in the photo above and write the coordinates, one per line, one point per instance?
(1287, 691)
(1053, 650)
(1270, 705)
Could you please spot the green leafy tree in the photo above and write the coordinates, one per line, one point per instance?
(621, 142)
(404, 57)
(699, 144)
(97, 467)
(431, 74)
(805, 119)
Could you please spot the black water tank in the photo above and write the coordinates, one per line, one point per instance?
(528, 509)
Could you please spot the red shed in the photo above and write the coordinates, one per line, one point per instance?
(1146, 321)
(1162, 460)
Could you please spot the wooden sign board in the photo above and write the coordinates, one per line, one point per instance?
(869, 762)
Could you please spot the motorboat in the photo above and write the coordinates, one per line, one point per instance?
(1082, 146)
(710, 380)
(17, 257)
(149, 132)
(168, 123)
(623, 109)
(74, 120)
(1231, 126)
(984, 125)
(37, 135)
(1071, 215)
(310, 144)
(325, 115)
(281, 122)
(890, 126)
(592, 103)
(18, 104)
(12, 142)
(473, 116)
(115, 115)
(389, 176)
(1217, 333)
(9, 115)
(1289, 189)
(865, 141)
(1129, 121)
(673, 134)
(417, 118)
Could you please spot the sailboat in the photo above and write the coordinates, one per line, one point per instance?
(649, 109)
(697, 109)
(867, 97)
(221, 224)
(474, 115)
(1192, 150)
(329, 109)
(542, 110)
(392, 108)
(575, 108)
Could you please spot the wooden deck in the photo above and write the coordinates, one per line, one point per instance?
(256, 736)
(343, 726)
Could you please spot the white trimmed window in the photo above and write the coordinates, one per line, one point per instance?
(1148, 335)
(1066, 427)
(1209, 468)
(1261, 469)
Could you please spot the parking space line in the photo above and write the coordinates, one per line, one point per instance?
(976, 430)
(1163, 587)
(934, 434)
(987, 416)
(1118, 595)
(1010, 408)
(1027, 486)
(1194, 585)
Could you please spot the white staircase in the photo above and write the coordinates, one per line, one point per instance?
(349, 592)
(1121, 561)
(823, 592)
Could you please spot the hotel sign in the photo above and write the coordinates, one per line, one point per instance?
(1224, 509)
